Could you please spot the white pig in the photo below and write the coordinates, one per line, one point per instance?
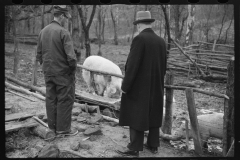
(108, 86)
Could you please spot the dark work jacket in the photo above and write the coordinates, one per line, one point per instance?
(55, 50)
(142, 104)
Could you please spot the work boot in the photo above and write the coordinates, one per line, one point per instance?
(72, 132)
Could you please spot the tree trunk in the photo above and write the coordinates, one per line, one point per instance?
(33, 25)
(207, 27)
(35, 67)
(16, 57)
(146, 7)
(99, 30)
(134, 26)
(43, 9)
(167, 125)
(87, 45)
(220, 32)
(225, 41)
(75, 32)
(86, 28)
(103, 27)
(228, 123)
(114, 20)
(176, 21)
(164, 9)
(190, 25)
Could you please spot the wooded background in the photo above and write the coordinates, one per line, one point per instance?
(209, 22)
(208, 26)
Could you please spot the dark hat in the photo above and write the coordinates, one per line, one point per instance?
(61, 9)
(143, 16)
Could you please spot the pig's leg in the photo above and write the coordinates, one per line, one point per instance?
(87, 79)
(100, 89)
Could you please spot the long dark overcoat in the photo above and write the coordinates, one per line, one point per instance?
(142, 104)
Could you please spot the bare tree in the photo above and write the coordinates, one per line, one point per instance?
(86, 27)
(15, 10)
(207, 25)
(43, 9)
(115, 23)
(164, 9)
(104, 13)
(223, 18)
(179, 16)
(190, 24)
(134, 26)
(226, 33)
(75, 32)
(99, 29)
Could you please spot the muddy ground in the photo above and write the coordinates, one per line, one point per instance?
(22, 143)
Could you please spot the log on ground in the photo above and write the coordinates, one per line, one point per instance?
(43, 132)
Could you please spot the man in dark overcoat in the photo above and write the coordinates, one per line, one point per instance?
(143, 87)
(56, 54)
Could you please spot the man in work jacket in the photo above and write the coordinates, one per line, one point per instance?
(56, 54)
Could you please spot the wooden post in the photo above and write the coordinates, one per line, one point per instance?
(35, 67)
(228, 121)
(214, 45)
(193, 120)
(230, 153)
(167, 125)
(187, 133)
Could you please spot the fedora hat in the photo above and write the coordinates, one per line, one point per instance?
(61, 9)
(143, 16)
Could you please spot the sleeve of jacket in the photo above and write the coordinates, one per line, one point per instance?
(69, 50)
(133, 62)
(39, 50)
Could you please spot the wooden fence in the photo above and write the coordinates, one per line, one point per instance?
(210, 61)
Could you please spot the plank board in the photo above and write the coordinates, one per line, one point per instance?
(17, 116)
(11, 126)
(98, 100)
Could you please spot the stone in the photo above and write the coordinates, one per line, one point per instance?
(76, 111)
(113, 124)
(39, 147)
(49, 151)
(32, 153)
(93, 131)
(95, 119)
(80, 128)
(107, 112)
(93, 138)
(83, 145)
(81, 119)
(75, 145)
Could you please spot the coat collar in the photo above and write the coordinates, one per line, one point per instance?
(147, 30)
(53, 21)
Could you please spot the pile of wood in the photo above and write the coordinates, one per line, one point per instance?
(210, 62)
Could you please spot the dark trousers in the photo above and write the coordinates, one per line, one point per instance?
(137, 139)
(60, 94)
